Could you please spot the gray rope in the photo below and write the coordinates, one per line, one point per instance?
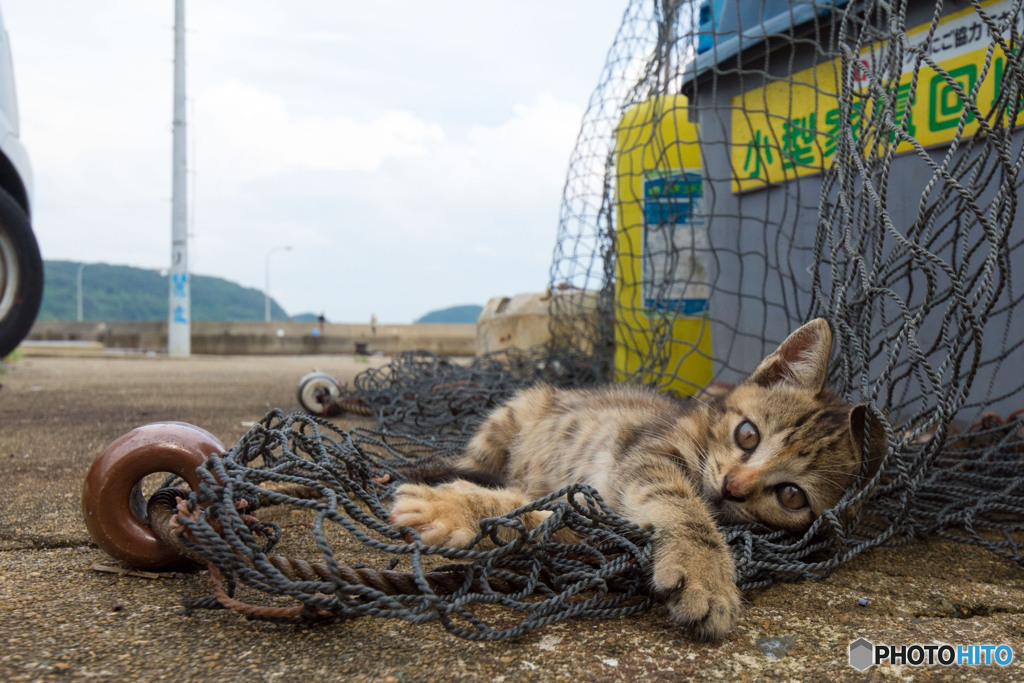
(920, 293)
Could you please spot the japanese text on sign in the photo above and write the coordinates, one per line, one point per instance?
(791, 128)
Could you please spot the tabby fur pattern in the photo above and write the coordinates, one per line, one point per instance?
(777, 449)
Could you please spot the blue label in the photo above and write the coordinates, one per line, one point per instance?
(676, 245)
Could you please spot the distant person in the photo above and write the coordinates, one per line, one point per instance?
(321, 321)
(373, 325)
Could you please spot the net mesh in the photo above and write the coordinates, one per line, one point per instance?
(742, 167)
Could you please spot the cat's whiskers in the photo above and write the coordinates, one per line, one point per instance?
(673, 444)
(836, 481)
(823, 474)
(674, 426)
(821, 469)
(709, 404)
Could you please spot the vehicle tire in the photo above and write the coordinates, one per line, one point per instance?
(317, 391)
(21, 274)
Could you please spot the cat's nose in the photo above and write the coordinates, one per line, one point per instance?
(731, 489)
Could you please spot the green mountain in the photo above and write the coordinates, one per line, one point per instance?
(455, 314)
(128, 293)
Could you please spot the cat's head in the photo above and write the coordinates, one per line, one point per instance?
(783, 446)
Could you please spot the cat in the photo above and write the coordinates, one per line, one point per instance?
(777, 449)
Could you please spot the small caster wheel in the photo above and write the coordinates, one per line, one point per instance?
(112, 503)
(318, 391)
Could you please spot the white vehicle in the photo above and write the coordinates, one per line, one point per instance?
(21, 266)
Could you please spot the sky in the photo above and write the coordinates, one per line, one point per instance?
(412, 155)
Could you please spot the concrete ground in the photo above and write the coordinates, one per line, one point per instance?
(61, 619)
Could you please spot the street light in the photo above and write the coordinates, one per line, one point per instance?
(266, 288)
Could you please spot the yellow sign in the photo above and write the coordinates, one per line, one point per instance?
(662, 291)
(790, 128)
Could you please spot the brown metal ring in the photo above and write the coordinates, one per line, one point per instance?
(111, 515)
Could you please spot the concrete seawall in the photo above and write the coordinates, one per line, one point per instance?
(243, 338)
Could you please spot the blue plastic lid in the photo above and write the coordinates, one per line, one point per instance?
(728, 27)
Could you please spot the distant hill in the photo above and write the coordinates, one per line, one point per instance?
(127, 293)
(455, 314)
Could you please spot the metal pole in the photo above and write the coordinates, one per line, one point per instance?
(179, 336)
(266, 283)
(81, 267)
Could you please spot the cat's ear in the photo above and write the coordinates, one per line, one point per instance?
(865, 426)
(800, 361)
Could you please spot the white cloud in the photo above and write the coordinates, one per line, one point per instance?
(412, 154)
(251, 133)
(469, 186)
(525, 154)
(467, 218)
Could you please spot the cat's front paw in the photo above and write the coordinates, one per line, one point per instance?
(437, 514)
(699, 590)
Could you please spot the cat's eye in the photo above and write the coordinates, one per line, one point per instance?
(746, 436)
(791, 496)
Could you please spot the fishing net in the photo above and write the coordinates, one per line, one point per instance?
(742, 167)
